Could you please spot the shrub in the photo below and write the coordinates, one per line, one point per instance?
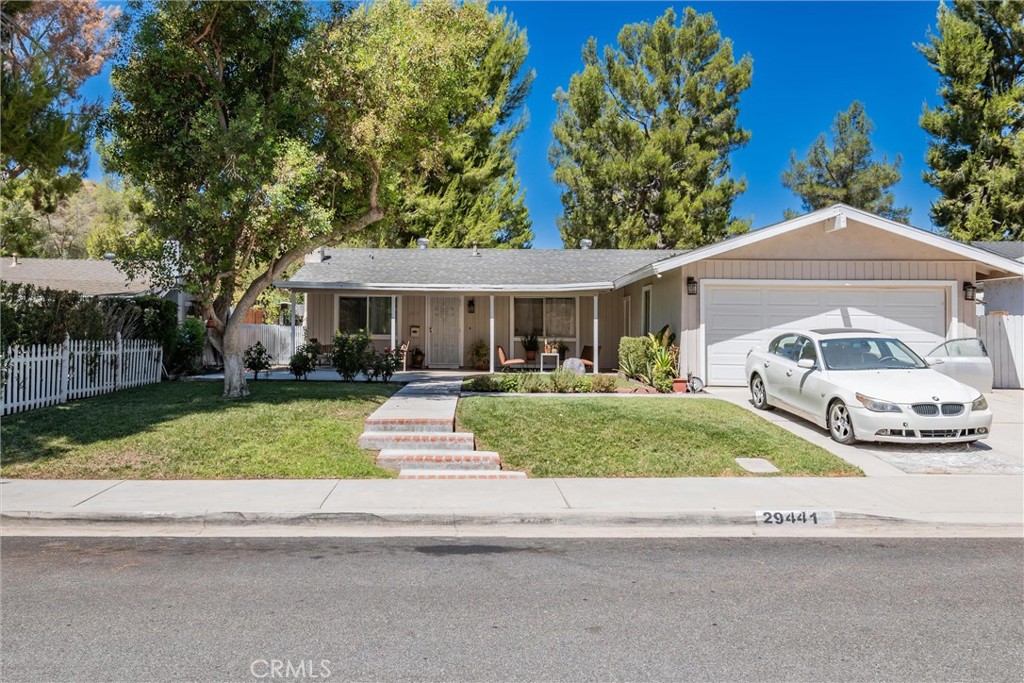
(510, 382)
(534, 383)
(349, 356)
(483, 383)
(314, 349)
(186, 357)
(386, 363)
(602, 384)
(634, 356)
(257, 359)
(564, 381)
(304, 360)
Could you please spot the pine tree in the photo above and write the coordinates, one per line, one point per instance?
(845, 171)
(643, 137)
(976, 155)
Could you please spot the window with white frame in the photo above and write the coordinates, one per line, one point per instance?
(645, 310)
(550, 317)
(370, 313)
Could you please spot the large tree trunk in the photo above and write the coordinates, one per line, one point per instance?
(234, 370)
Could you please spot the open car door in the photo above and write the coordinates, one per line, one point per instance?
(965, 360)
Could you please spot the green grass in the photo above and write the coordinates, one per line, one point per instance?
(636, 437)
(186, 430)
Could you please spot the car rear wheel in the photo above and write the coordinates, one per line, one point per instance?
(759, 394)
(840, 426)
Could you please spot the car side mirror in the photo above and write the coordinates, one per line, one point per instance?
(934, 361)
(806, 363)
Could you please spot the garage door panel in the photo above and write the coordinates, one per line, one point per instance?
(747, 317)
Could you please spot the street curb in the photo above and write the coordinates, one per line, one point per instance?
(443, 518)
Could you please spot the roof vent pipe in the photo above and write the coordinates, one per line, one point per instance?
(423, 243)
(476, 251)
(14, 259)
(586, 244)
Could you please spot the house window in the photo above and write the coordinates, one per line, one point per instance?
(551, 317)
(645, 311)
(370, 313)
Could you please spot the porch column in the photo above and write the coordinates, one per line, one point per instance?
(491, 354)
(291, 314)
(394, 314)
(597, 346)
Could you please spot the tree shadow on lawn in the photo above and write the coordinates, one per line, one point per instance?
(55, 431)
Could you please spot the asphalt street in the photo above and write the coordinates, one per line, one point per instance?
(419, 609)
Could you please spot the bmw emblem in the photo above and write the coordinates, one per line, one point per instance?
(935, 398)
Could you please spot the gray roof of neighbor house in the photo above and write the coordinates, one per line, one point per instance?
(481, 270)
(87, 276)
(1010, 250)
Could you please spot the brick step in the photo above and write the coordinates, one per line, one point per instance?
(434, 441)
(424, 459)
(460, 474)
(409, 424)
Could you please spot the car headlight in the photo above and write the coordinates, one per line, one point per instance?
(874, 405)
(979, 404)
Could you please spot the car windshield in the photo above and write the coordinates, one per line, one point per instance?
(869, 353)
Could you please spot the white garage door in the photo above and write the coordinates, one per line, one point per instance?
(737, 318)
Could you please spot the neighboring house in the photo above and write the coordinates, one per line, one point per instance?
(90, 277)
(1003, 295)
(836, 267)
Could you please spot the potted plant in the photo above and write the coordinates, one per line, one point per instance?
(562, 348)
(530, 346)
(417, 357)
(480, 354)
(679, 385)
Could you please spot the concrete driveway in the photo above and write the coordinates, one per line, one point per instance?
(1001, 453)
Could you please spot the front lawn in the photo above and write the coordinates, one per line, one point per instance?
(185, 430)
(636, 437)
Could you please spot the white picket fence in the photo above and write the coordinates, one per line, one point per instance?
(1004, 338)
(276, 339)
(45, 375)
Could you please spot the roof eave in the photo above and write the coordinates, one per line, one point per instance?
(410, 287)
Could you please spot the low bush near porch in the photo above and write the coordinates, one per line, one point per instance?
(558, 382)
(636, 437)
(186, 430)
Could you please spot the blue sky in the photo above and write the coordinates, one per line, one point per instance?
(811, 59)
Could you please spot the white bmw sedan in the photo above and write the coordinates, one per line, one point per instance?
(861, 385)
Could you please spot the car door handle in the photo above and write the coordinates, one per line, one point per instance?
(767, 363)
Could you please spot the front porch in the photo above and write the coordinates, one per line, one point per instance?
(446, 326)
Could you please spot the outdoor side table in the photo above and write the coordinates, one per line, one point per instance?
(548, 355)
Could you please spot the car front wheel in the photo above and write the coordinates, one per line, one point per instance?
(758, 393)
(840, 425)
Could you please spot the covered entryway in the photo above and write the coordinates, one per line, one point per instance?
(741, 315)
(444, 331)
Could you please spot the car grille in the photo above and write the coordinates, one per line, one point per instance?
(932, 409)
(939, 433)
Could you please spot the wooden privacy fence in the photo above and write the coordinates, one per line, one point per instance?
(47, 374)
(1004, 338)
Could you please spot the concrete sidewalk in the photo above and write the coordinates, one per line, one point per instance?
(995, 502)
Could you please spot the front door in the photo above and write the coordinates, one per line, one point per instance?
(444, 331)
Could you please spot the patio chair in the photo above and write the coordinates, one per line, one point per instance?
(403, 353)
(587, 355)
(508, 363)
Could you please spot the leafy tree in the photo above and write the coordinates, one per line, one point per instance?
(475, 197)
(47, 49)
(643, 136)
(976, 154)
(260, 130)
(845, 172)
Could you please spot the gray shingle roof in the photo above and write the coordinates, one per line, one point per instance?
(88, 276)
(1010, 250)
(505, 268)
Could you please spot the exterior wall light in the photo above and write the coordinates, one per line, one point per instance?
(691, 286)
(471, 306)
(970, 291)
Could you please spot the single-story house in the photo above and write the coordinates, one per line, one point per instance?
(89, 277)
(834, 267)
